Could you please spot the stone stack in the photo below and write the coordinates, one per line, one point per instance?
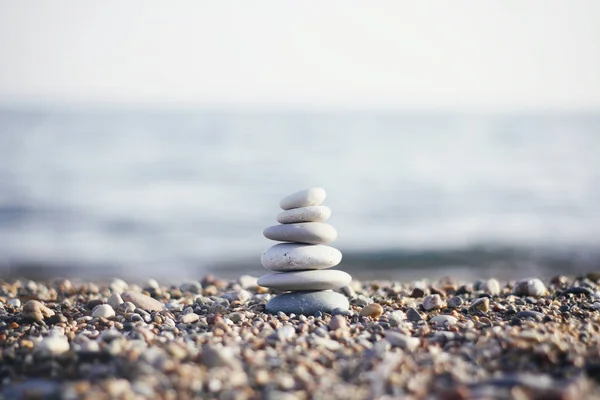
(299, 265)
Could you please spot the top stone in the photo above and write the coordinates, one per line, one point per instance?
(304, 198)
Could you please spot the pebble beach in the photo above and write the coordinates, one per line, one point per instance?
(211, 338)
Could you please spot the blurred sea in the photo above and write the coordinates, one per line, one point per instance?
(164, 193)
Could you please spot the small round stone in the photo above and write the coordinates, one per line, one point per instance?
(491, 286)
(305, 280)
(103, 310)
(307, 303)
(432, 302)
(303, 198)
(455, 302)
(530, 287)
(303, 232)
(54, 344)
(443, 320)
(16, 303)
(294, 256)
(372, 310)
(304, 214)
(338, 322)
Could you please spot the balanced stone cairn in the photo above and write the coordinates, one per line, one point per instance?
(299, 265)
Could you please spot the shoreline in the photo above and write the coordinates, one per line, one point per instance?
(211, 338)
(477, 262)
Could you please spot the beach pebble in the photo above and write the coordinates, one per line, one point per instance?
(491, 286)
(304, 214)
(142, 301)
(248, 282)
(303, 232)
(305, 280)
(432, 302)
(481, 304)
(191, 286)
(307, 303)
(373, 310)
(54, 344)
(405, 342)
(338, 322)
(103, 310)
(443, 320)
(530, 287)
(296, 256)
(118, 285)
(396, 317)
(455, 302)
(114, 300)
(16, 303)
(189, 318)
(413, 315)
(126, 307)
(36, 311)
(303, 198)
(286, 332)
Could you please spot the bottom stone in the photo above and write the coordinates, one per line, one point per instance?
(307, 303)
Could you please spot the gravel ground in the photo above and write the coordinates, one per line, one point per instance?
(212, 339)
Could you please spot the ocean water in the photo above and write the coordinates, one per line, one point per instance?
(152, 192)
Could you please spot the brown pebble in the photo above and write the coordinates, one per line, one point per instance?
(338, 322)
(36, 311)
(373, 310)
(481, 304)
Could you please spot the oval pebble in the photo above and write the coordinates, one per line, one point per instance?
(303, 198)
(296, 256)
(307, 303)
(305, 280)
(372, 310)
(443, 320)
(303, 232)
(304, 214)
(142, 301)
(103, 310)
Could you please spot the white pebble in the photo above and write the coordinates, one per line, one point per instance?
(103, 310)
(432, 302)
(304, 214)
(53, 344)
(16, 303)
(491, 286)
(304, 198)
(294, 256)
(114, 300)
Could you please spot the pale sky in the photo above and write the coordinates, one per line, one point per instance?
(509, 54)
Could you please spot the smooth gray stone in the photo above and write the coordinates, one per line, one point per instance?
(303, 232)
(304, 214)
(305, 280)
(307, 303)
(308, 197)
(297, 256)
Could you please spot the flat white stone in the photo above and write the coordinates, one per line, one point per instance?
(305, 280)
(303, 232)
(304, 214)
(296, 256)
(308, 197)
